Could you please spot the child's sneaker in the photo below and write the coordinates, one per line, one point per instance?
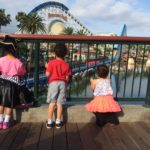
(58, 125)
(5, 125)
(1, 125)
(49, 125)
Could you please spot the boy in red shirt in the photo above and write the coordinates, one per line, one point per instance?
(58, 72)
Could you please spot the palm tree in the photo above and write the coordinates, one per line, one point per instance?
(21, 16)
(31, 23)
(68, 31)
(4, 19)
(81, 32)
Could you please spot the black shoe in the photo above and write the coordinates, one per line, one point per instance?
(58, 125)
(49, 125)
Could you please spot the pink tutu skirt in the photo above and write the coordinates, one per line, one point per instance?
(103, 104)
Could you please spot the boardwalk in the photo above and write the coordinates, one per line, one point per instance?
(76, 136)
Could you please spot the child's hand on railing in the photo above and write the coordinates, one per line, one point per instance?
(46, 64)
(91, 80)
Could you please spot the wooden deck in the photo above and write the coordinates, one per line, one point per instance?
(75, 136)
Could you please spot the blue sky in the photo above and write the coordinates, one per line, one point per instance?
(99, 16)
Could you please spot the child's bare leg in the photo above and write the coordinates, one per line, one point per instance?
(8, 111)
(51, 110)
(1, 109)
(1, 113)
(59, 111)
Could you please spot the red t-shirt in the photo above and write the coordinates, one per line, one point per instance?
(59, 70)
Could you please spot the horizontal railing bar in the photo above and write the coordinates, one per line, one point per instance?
(79, 38)
(130, 99)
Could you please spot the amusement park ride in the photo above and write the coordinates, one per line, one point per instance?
(57, 17)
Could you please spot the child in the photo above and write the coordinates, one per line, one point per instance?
(10, 68)
(58, 72)
(103, 105)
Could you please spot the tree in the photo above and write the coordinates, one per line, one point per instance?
(31, 23)
(81, 32)
(68, 31)
(4, 18)
(20, 17)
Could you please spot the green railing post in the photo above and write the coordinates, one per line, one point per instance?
(36, 69)
(147, 101)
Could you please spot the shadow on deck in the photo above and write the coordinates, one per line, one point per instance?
(76, 136)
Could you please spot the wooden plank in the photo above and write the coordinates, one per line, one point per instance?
(46, 138)
(141, 133)
(6, 144)
(60, 141)
(73, 137)
(117, 143)
(145, 126)
(108, 138)
(134, 137)
(32, 137)
(126, 139)
(86, 137)
(99, 137)
(21, 136)
(3, 134)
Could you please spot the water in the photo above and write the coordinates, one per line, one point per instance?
(133, 84)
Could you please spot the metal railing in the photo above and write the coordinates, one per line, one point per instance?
(128, 59)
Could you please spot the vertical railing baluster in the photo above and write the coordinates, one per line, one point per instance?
(135, 62)
(78, 66)
(70, 84)
(36, 69)
(111, 63)
(96, 60)
(87, 67)
(104, 53)
(141, 74)
(117, 87)
(26, 55)
(47, 53)
(26, 63)
(125, 81)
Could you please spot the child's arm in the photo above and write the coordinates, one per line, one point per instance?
(110, 81)
(21, 70)
(47, 73)
(93, 83)
(46, 65)
(68, 74)
(67, 79)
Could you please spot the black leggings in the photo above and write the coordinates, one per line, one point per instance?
(103, 118)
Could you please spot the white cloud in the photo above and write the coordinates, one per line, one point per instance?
(94, 13)
(14, 6)
(113, 12)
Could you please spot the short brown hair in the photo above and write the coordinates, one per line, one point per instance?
(60, 50)
(102, 71)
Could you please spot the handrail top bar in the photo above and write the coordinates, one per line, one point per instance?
(78, 38)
